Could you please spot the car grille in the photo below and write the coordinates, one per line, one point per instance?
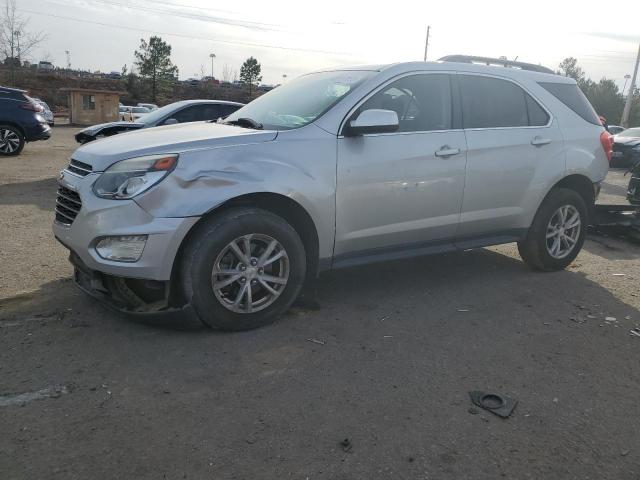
(79, 168)
(68, 205)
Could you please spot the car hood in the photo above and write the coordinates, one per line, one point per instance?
(95, 129)
(627, 141)
(168, 139)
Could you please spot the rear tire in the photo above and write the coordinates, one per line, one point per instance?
(551, 244)
(11, 141)
(229, 255)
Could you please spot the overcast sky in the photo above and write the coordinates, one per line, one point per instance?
(294, 37)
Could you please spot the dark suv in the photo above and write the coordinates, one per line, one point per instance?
(21, 121)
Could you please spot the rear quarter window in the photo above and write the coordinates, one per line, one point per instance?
(489, 102)
(571, 95)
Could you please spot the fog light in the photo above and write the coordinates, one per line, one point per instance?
(122, 249)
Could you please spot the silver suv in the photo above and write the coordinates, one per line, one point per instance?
(334, 169)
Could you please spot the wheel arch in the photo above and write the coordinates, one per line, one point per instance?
(582, 185)
(17, 126)
(285, 207)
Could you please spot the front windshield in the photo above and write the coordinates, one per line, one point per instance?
(157, 115)
(630, 132)
(300, 101)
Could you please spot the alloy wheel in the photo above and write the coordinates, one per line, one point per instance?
(250, 273)
(563, 231)
(9, 141)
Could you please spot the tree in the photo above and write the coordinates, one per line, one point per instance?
(569, 68)
(16, 41)
(606, 99)
(250, 73)
(154, 64)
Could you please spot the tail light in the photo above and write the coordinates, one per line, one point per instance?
(32, 107)
(606, 139)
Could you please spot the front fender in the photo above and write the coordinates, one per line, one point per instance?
(300, 164)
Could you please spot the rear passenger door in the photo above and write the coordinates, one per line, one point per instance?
(514, 147)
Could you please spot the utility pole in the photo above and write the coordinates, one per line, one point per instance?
(626, 79)
(212, 56)
(426, 43)
(68, 59)
(632, 88)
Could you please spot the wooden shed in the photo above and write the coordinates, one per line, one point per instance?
(89, 107)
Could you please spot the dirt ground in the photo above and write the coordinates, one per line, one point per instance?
(383, 356)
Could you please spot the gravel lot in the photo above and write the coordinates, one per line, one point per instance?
(396, 349)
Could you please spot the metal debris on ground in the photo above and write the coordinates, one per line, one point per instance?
(346, 445)
(497, 404)
(53, 391)
(313, 340)
(635, 332)
(619, 274)
(463, 310)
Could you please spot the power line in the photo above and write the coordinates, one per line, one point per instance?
(157, 32)
(191, 16)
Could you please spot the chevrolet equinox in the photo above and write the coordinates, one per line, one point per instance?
(333, 169)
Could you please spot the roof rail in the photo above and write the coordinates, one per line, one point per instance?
(496, 61)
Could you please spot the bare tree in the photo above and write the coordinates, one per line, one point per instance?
(16, 41)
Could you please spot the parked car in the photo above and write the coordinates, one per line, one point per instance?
(45, 66)
(333, 169)
(21, 121)
(47, 113)
(626, 148)
(150, 106)
(615, 129)
(131, 114)
(178, 112)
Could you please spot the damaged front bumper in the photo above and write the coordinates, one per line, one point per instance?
(128, 295)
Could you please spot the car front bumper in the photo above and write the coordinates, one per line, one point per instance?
(98, 218)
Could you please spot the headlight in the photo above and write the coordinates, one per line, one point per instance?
(131, 177)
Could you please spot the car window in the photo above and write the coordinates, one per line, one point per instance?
(572, 97)
(491, 102)
(302, 100)
(194, 113)
(422, 102)
(538, 117)
(228, 109)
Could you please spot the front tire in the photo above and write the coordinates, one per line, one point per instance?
(243, 269)
(11, 141)
(557, 233)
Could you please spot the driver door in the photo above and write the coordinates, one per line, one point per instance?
(400, 193)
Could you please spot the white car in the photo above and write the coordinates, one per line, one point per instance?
(47, 113)
(150, 106)
(131, 114)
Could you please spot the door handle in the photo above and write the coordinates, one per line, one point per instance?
(446, 151)
(538, 141)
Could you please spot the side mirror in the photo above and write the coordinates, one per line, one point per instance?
(372, 121)
(170, 121)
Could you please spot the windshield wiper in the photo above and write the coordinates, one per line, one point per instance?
(245, 122)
